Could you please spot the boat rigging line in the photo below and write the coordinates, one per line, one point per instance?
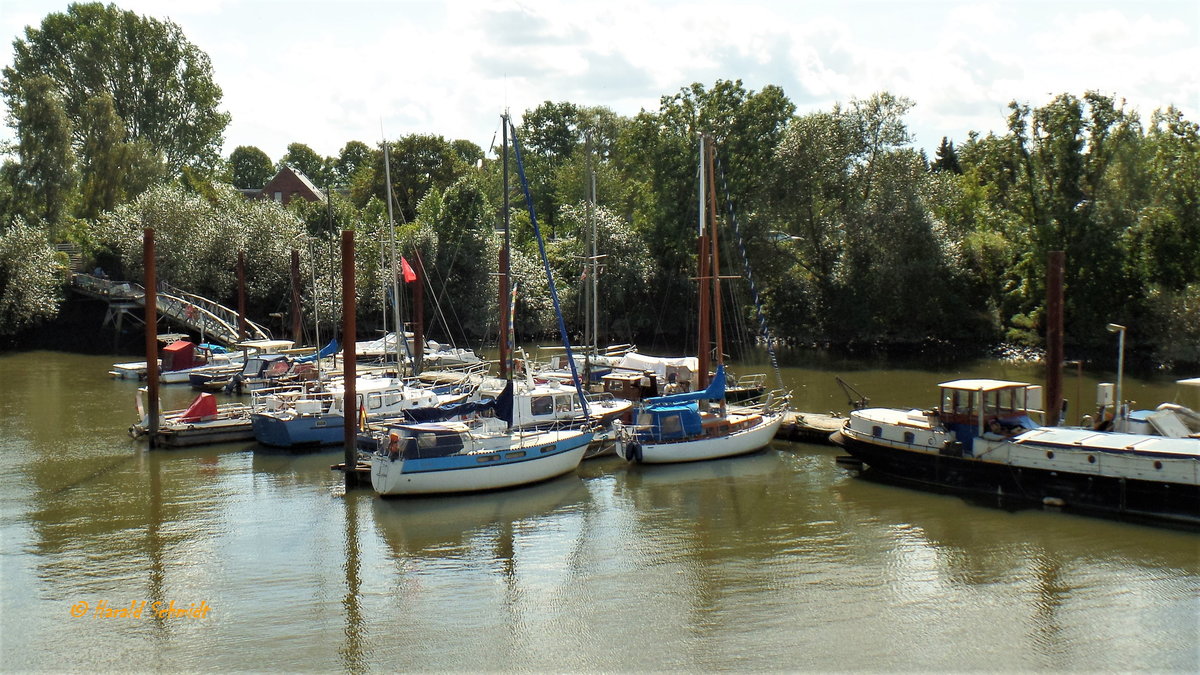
(758, 308)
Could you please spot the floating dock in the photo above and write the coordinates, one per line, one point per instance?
(808, 427)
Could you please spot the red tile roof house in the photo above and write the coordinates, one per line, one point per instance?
(288, 184)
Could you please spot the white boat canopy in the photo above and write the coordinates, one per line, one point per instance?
(982, 385)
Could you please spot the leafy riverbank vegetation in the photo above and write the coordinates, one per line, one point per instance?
(856, 238)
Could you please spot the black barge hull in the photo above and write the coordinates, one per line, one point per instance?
(1142, 500)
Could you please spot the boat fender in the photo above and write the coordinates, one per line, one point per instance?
(393, 447)
(633, 451)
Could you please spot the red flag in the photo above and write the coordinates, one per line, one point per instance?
(407, 270)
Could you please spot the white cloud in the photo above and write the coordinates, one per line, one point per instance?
(325, 73)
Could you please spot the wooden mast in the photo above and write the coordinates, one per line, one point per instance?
(718, 331)
(150, 284)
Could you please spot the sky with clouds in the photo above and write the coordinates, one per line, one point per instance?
(324, 73)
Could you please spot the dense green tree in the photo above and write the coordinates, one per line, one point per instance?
(1069, 153)
(250, 167)
(1165, 240)
(625, 273)
(198, 238)
(9, 209)
(328, 218)
(564, 146)
(354, 157)
(161, 85)
(548, 135)
(45, 179)
(462, 270)
(812, 201)
(468, 151)
(31, 278)
(658, 157)
(855, 210)
(419, 163)
(946, 157)
(102, 161)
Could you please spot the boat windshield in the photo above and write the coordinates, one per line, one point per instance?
(968, 401)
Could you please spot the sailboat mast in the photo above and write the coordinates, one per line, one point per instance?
(312, 265)
(703, 341)
(716, 264)
(383, 291)
(595, 264)
(505, 347)
(718, 331)
(387, 176)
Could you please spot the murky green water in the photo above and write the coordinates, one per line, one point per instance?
(775, 561)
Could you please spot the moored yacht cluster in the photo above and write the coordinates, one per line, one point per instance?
(452, 428)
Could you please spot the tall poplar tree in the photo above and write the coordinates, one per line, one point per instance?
(45, 174)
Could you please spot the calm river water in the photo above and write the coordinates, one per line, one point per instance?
(778, 561)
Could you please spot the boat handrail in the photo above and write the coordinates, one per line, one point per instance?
(751, 380)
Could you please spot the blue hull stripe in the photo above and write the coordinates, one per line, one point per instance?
(461, 462)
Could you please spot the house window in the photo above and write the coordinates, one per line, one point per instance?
(278, 197)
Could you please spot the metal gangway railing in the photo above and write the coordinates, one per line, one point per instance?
(212, 320)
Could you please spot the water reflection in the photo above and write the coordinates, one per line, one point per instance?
(352, 652)
(774, 561)
(940, 550)
(457, 525)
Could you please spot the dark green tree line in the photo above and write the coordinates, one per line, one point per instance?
(854, 236)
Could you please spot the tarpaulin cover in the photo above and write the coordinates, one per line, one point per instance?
(178, 355)
(659, 365)
(502, 406)
(203, 408)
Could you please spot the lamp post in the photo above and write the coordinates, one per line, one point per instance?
(1120, 330)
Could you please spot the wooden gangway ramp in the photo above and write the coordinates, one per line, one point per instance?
(213, 320)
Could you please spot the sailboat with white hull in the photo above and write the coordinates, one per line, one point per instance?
(698, 425)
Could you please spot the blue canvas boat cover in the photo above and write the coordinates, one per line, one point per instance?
(668, 422)
(328, 350)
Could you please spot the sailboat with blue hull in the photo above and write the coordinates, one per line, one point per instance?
(484, 452)
(471, 456)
